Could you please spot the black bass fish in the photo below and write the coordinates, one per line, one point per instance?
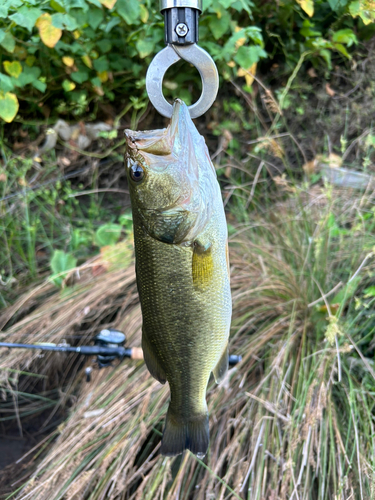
(182, 268)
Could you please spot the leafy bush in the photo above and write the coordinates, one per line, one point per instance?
(317, 27)
(67, 54)
(83, 50)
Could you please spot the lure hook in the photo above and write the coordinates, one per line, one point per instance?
(181, 35)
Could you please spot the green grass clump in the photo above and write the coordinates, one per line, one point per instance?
(51, 220)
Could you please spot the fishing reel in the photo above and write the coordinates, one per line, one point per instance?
(109, 338)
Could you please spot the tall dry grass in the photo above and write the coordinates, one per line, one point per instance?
(295, 420)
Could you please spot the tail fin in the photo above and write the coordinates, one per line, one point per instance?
(179, 435)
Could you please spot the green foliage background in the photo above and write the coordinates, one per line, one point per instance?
(102, 48)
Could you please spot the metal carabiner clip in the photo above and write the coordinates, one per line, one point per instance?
(181, 35)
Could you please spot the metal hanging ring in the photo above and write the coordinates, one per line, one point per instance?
(169, 56)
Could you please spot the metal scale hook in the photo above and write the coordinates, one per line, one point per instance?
(181, 36)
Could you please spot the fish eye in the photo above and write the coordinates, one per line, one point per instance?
(136, 172)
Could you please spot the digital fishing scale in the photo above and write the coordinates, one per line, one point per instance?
(181, 37)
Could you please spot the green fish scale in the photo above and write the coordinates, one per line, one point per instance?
(186, 326)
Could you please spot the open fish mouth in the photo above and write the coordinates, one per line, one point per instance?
(158, 142)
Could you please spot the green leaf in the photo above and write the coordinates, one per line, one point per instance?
(57, 6)
(307, 30)
(101, 64)
(370, 292)
(80, 76)
(112, 23)
(95, 17)
(79, 15)
(8, 42)
(346, 36)
(64, 22)
(229, 48)
(337, 4)
(41, 86)
(61, 263)
(80, 237)
(129, 10)
(247, 56)
(145, 47)
(96, 3)
(76, 4)
(29, 75)
(13, 68)
(14, 4)
(340, 48)
(111, 134)
(255, 34)
(226, 3)
(104, 46)
(241, 5)
(219, 24)
(206, 4)
(359, 8)
(126, 219)
(108, 234)
(96, 82)
(68, 86)
(5, 83)
(326, 56)
(355, 8)
(8, 106)
(9, 4)
(26, 17)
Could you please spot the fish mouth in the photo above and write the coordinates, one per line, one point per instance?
(154, 142)
(158, 142)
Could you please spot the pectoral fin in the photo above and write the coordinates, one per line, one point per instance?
(221, 368)
(202, 265)
(151, 361)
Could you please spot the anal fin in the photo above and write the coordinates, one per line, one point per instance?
(151, 361)
(221, 368)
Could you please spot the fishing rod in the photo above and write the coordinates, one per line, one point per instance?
(109, 345)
